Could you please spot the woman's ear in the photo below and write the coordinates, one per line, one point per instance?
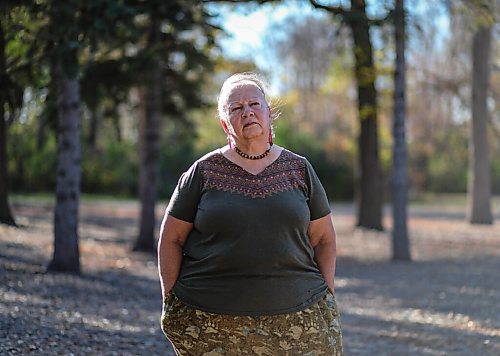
(224, 126)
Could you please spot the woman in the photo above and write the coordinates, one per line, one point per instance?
(247, 248)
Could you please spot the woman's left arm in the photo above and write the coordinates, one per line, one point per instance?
(323, 240)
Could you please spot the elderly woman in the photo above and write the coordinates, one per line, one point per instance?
(247, 247)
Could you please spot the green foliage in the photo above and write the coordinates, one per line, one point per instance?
(173, 39)
(17, 28)
(495, 172)
(111, 170)
(447, 165)
(113, 41)
(176, 156)
(30, 168)
(75, 25)
(334, 166)
(208, 131)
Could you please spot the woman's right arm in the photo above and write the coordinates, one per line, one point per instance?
(173, 235)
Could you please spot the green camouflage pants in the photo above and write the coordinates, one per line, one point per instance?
(310, 332)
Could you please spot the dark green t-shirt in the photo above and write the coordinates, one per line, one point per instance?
(249, 252)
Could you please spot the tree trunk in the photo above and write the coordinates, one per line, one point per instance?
(41, 131)
(66, 256)
(115, 120)
(370, 185)
(5, 213)
(96, 115)
(479, 185)
(47, 121)
(400, 242)
(149, 145)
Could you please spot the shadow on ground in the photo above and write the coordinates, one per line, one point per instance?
(446, 302)
(106, 312)
(438, 307)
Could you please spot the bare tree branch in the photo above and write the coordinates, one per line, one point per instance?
(383, 20)
(239, 1)
(350, 15)
(336, 10)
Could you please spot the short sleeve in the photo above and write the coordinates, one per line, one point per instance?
(317, 199)
(184, 201)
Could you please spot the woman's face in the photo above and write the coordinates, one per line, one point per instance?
(248, 115)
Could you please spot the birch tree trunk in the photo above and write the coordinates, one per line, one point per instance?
(479, 184)
(66, 256)
(400, 241)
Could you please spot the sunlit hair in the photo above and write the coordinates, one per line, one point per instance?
(239, 78)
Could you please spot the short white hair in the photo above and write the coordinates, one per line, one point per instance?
(233, 80)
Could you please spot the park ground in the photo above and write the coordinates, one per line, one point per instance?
(445, 302)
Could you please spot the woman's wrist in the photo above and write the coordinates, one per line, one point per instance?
(166, 290)
(331, 287)
(167, 295)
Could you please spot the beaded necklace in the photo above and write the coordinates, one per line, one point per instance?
(247, 156)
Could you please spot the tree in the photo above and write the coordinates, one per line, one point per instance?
(6, 216)
(370, 186)
(73, 26)
(105, 84)
(479, 185)
(66, 252)
(149, 142)
(400, 242)
(174, 63)
(65, 32)
(293, 41)
(16, 65)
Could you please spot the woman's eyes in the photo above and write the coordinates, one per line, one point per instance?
(239, 107)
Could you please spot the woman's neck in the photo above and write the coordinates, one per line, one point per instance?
(253, 166)
(253, 147)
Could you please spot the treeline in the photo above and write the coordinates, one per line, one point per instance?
(318, 118)
(85, 88)
(118, 98)
(112, 168)
(438, 165)
(322, 90)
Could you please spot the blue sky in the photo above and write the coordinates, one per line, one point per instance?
(247, 24)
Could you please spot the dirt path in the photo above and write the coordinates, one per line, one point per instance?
(447, 302)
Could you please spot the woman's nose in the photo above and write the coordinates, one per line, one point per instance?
(247, 110)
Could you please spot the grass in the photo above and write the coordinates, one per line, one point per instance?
(423, 200)
(46, 197)
(49, 199)
(448, 200)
